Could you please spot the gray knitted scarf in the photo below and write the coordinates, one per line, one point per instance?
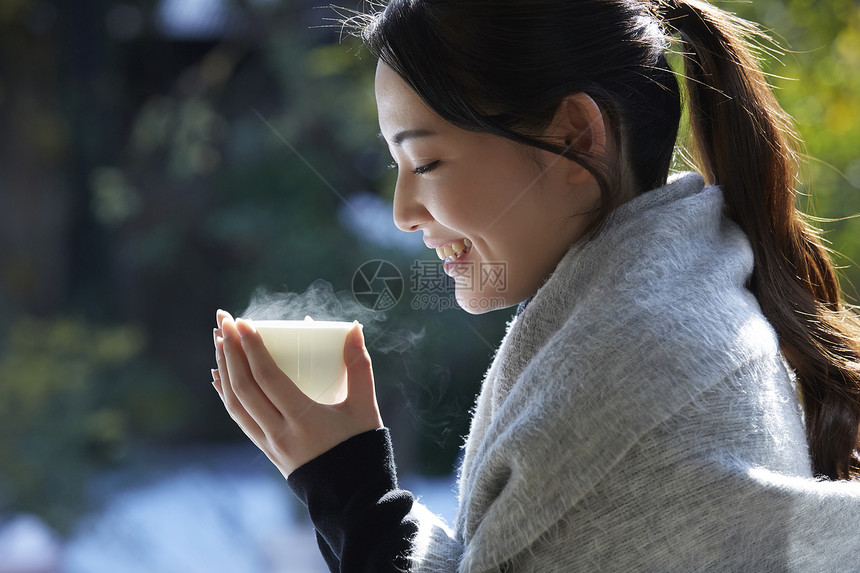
(639, 416)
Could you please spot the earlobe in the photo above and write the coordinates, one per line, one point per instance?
(581, 121)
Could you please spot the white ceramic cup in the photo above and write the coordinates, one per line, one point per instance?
(310, 352)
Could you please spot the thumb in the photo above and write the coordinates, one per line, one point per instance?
(359, 370)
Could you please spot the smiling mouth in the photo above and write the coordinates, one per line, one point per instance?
(455, 250)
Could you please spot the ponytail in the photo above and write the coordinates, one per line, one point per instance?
(743, 142)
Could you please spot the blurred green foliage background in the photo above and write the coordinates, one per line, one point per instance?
(150, 174)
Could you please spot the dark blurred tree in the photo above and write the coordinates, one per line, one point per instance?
(60, 414)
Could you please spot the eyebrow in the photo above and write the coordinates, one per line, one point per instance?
(402, 136)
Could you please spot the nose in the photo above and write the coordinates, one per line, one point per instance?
(410, 214)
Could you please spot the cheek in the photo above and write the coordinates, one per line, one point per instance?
(485, 196)
(462, 202)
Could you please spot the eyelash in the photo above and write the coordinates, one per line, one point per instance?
(418, 170)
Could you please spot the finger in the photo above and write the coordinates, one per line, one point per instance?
(231, 402)
(216, 383)
(277, 386)
(219, 363)
(245, 384)
(220, 315)
(216, 373)
(255, 437)
(359, 369)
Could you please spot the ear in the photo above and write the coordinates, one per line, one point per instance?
(580, 122)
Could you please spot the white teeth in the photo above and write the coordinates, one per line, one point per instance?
(455, 249)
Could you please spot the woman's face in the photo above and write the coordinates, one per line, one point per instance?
(482, 195)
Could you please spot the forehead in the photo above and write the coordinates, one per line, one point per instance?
(399, 107)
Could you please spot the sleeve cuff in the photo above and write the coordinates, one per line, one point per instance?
(362, 519)
(367, 458)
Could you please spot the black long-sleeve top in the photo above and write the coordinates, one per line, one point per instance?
(360, 515)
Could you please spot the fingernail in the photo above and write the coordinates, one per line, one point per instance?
(247, 327)
(358, 339)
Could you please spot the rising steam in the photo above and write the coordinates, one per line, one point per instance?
(320, 302)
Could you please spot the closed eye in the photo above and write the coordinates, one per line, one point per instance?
(425, 168)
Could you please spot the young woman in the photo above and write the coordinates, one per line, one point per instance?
(680, 386)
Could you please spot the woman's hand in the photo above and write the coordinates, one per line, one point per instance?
(280, 419)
